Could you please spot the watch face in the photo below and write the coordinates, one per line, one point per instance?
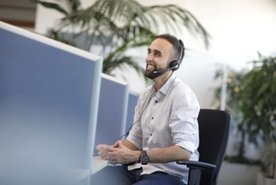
(144, 158)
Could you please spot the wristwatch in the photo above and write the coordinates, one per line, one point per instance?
(144, 158)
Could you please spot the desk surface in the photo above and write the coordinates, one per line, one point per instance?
(98, 164)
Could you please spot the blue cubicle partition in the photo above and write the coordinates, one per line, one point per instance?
(49, 96)
(132, 100)
(112, 110)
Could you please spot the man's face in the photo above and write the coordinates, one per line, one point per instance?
(159, 55)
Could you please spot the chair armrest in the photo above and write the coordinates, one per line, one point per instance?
(197, 164)
(196, 167)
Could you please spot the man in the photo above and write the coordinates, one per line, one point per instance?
(165, 128)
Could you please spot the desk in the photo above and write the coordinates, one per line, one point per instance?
(98, 164)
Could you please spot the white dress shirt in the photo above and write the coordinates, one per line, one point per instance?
(165, 118)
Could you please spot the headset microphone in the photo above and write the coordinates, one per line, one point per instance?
(160, 71)
(173, 65)
(157, 72)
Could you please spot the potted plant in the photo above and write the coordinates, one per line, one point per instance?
(252, 104)
(258, 109)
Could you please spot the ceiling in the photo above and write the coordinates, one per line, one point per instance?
(18, 12)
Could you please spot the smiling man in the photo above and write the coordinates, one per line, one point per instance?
(165, 127)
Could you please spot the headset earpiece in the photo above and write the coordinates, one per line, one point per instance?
(174, 65)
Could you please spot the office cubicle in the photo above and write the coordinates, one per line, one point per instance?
(49, 95)
(132, 100)
(112, 110)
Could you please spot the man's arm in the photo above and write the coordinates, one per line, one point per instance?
(125, 152)
(129, 144)
(168, 154)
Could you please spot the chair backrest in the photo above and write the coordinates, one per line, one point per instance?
(213, 134)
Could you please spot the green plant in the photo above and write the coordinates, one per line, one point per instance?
(258, 107)
(258, 102)
(118, 25)
(252, 104)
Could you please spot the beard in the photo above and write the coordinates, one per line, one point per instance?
(152, 74)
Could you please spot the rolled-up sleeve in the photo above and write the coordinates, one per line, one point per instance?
(135, 135)
(183, 123)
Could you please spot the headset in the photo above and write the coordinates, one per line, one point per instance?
(174, 64)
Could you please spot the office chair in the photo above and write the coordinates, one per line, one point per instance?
(213, 136)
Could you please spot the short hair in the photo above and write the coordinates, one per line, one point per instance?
(177, 44)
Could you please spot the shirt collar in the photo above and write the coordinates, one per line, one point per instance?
(167, 85)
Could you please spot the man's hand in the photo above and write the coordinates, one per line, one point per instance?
(118, 153)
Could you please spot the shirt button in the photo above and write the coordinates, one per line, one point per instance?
(156, 101)
(152, 117)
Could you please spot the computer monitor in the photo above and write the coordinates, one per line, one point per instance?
(49, 96)
(112, 110)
